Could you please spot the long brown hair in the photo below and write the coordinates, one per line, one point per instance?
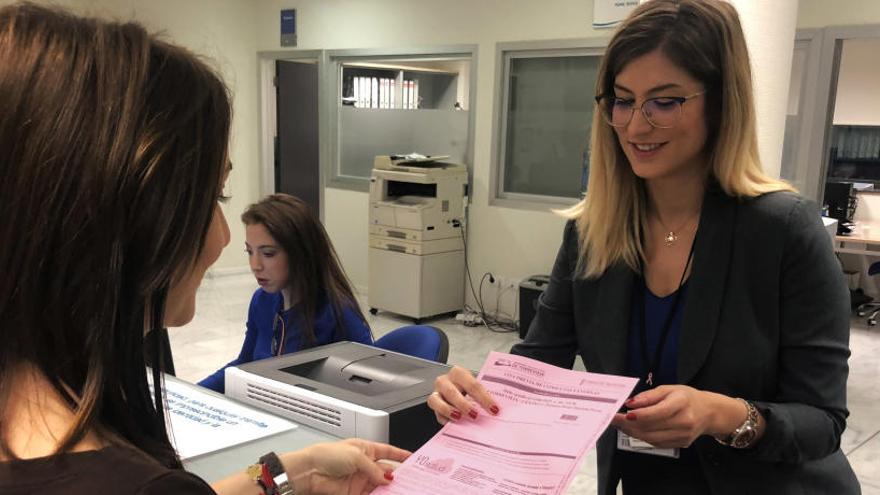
(704, 38)
(314, 269)
(112, 150)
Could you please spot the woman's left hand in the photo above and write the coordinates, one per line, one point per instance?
(668, 416)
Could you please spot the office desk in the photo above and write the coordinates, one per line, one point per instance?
(858, 242)
(218, 464)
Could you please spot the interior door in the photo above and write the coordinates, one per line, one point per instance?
(297, 164)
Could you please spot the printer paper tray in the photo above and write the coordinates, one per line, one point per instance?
(413, 235)
(416, 248)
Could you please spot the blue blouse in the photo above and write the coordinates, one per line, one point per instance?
(656, 311)
(643, 473)
(264, 326)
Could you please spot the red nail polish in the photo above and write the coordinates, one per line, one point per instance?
(455, 415)
(389, 476)
(473, 414)
(631, 416)
(494, 409)
(629, 401)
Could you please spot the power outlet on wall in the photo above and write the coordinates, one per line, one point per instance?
(499, 297)
(504, 283)
(504, 288)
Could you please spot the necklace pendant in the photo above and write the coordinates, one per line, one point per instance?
(670, 238)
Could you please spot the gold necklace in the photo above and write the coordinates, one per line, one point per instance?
(671, 236)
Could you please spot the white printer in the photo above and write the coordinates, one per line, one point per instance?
(346, 389)
(416, 259)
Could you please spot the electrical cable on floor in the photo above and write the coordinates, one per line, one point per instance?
(467, 269)
(503, 326)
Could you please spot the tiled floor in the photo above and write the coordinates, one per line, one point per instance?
(214, 337)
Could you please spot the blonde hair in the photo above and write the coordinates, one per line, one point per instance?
(705, 38)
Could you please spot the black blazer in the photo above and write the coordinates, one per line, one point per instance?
(766, 319)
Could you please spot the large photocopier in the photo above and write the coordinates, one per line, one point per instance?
(417, 256)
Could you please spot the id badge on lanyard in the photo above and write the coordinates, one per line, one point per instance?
(630, 444)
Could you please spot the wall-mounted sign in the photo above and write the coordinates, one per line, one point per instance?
(288, 27)
(609, 13)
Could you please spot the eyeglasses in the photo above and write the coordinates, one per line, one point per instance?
(662, 112)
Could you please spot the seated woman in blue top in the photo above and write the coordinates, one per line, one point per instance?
(305, 299)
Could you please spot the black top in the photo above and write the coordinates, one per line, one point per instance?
(766, 319)
(117, 470)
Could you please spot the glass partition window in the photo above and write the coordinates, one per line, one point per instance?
(790, 169)
(854, 147)
(400, 106)
(855, 153)
(545, 121)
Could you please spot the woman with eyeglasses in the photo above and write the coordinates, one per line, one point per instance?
(689, 268)
(113, 156)
(304, 299)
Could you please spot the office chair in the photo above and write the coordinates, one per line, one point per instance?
(870, 309)
(421, 341)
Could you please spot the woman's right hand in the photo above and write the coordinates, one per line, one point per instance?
(455, 395)
(347, 467)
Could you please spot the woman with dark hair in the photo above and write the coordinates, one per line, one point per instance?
(304, 299)
(113, 154)
(689, 268)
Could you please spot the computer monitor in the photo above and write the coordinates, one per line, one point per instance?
(839, 200)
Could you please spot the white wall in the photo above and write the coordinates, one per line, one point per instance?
(224, 32)
(858, 85)
(821, 13)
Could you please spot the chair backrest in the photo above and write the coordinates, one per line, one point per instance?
(421, 341)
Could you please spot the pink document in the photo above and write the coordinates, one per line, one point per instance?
(550, 417)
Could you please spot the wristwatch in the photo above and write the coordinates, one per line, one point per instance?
(745, 434)
(283, 486)
(270, 475)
